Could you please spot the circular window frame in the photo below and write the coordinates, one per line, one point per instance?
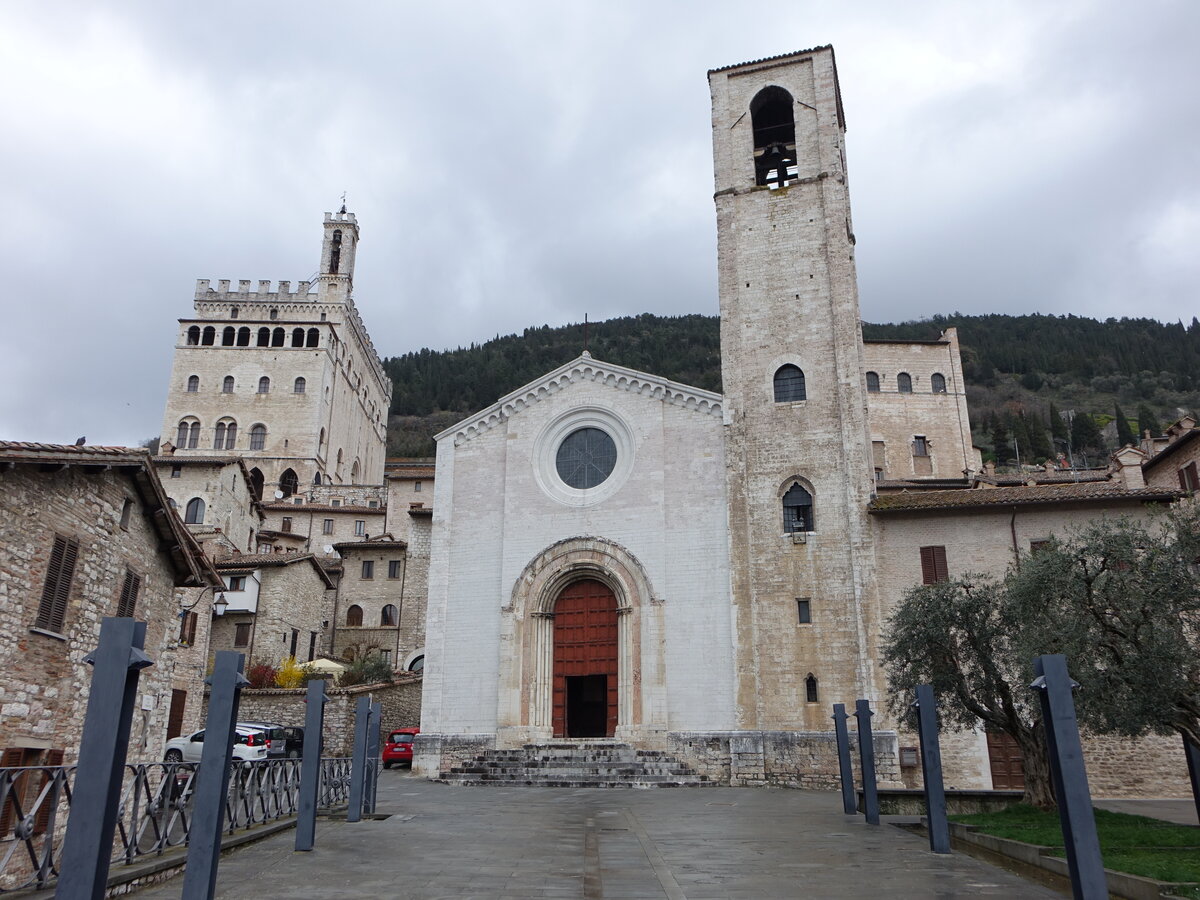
(545, 456)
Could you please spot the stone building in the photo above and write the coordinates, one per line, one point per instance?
(1173, 462)
(617, 555)
(215, 497)
(85, 533)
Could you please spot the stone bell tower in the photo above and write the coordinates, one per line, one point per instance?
(335, 283)
(797, 446)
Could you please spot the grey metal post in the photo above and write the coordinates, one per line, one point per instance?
(358, 759)
(1054, 687)
(310, 765)
(1192, 752)
(845, 769)
(866, 750)
(372, 767)
(212, 779)
(931, 770)
(87, 848)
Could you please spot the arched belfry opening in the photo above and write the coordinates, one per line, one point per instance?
(335, 253)
(585, 661)
(772, 115)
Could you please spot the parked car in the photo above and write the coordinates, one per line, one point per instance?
(399, 747)
(249, 744)
(285, 742)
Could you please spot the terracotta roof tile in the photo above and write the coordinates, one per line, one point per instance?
(766, 59)
(1186, 438)
(1017, 496)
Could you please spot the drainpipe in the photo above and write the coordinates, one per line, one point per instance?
(1012, 526)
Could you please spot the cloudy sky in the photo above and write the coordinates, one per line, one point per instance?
(521, 163)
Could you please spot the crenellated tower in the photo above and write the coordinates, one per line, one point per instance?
(336, 279)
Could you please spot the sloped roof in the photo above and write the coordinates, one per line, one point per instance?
(248, 562)
(1106, 492)
(1186, 438)
(771, 59)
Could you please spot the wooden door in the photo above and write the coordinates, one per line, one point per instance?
(175, 715)
(585, 646)
(1008, 772)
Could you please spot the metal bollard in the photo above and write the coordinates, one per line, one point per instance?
(866, 750)
(310, 765)
(849, 805)
(358, 761)
(931, 770)
(372, 767)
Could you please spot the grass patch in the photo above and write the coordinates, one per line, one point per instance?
(1134, 844)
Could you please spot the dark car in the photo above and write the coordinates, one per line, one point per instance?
(399, 747)
(286, 742)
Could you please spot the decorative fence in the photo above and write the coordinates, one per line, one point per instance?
(154, 813)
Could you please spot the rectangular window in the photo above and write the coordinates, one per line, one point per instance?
(368, 568)
(241, 634)
(176, 471)
(52, 609)
(187, 628)
(804, 611)
(335, 502)
(295, 639)
(417, 487)
(386, 656)
(286, 524)
(360, 527)
(1035, 546)
(126, 514)
(373, 504)
(129, 592)
(312, 646)
(933, 565)
(327, 526)
(393, 568)
(1189, 480)
(237, 582)
(920, 446)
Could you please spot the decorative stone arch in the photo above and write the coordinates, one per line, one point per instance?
(527, 640)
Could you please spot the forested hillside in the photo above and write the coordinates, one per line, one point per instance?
(1036, 384)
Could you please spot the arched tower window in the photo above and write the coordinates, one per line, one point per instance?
(299, 386)
(228, 336)
(209, 337)
(354, 615)
(243, 338)
(193, 384)
(873, 382)
(256, 476)
(789, 384)
(771, 112)
(264, 385)
(810, 688)
(227, 385)
(938, 383)
(188, 435)
(233, 312)
(314, 337)
(297, 337)
(225, 435)
(335, 254)
(194, 514)
(904, 383)
(797, 509)
(193, 336)
(278, 336)
(321, 439)
(354, 473)
(258, 438)
(388, 617)
(288, 482)
(264, 336)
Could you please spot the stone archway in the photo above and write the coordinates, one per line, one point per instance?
(525, 701)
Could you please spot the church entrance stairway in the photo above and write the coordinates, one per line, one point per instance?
(576, 764)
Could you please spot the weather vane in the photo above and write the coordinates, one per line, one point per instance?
(343, 201)
(585, 333)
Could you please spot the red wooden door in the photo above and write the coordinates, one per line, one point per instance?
(585, 646)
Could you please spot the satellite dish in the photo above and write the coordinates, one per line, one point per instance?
(279, 495)
(329, 548)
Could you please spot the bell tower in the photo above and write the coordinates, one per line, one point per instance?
(335, 281)
(799, 473)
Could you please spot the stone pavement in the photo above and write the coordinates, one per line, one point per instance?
(519, 843)
(1182, 812)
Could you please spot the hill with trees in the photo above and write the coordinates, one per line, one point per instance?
(1037, 385)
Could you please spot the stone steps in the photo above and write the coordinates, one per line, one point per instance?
(572, 764)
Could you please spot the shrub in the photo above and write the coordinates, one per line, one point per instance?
(290, 675)
(368, 669)
(261, 675)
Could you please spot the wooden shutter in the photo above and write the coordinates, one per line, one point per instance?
(175, 716)
(933, 565)
(129, 592)
(13, 757)
(187, 629)
(53, 758)
(52, 610)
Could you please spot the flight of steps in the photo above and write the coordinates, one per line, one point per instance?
(576, 764)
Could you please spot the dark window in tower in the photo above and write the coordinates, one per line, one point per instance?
(243, 338)
(194, 436)
(193, 336)
(299, 386)
(289, 483)
(938, 383)
(354, 616)
(193, 384)
(227, 385)
(810, 688)
(774, 137)
(335, 253)
(233, 312)
(873, 382)
(210, 336)
(264, 385)
(256, 475)
(297, 337)
(264, 337)
(904, 383)
(797, 509)
(789, 384)
(314, 337)
(278, 336)
(228, 336)
(194, 514)
(388, 616)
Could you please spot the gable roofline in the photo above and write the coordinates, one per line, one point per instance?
(584, 368)
(249, 562)
(1005, 497)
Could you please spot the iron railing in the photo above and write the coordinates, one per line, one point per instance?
(154, 814)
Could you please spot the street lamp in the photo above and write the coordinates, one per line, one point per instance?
(219, 604)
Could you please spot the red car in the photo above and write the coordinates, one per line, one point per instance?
(398, 748)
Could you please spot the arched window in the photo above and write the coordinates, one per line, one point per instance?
(194, 436)
(417, 665)
(339, 463)
(194, 514)
(193, 384)
(193, 335)
(810, 688)
(388, 617)
(354, 473)
(225, 435)
(264, 385)
(228, 336)
(354, 615)
(797, 509)
(219, 436)
(181, 436)
(873, 382)
(278, 336)
(314, 337)
(298, 387)
(264, 336)
(210, 336)
(904, 383)
(227, 385)
(243, 339)
(288, 482)
(771, 112)
(258, 437)
(256, 475)
(231, 436)
(188, 435)
(297, 337)
(321, 439)
(938, 383)
(335, 252)
(789, 384)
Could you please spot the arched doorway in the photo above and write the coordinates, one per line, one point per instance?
(585, 661)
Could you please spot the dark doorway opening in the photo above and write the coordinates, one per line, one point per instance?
(587, 706)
